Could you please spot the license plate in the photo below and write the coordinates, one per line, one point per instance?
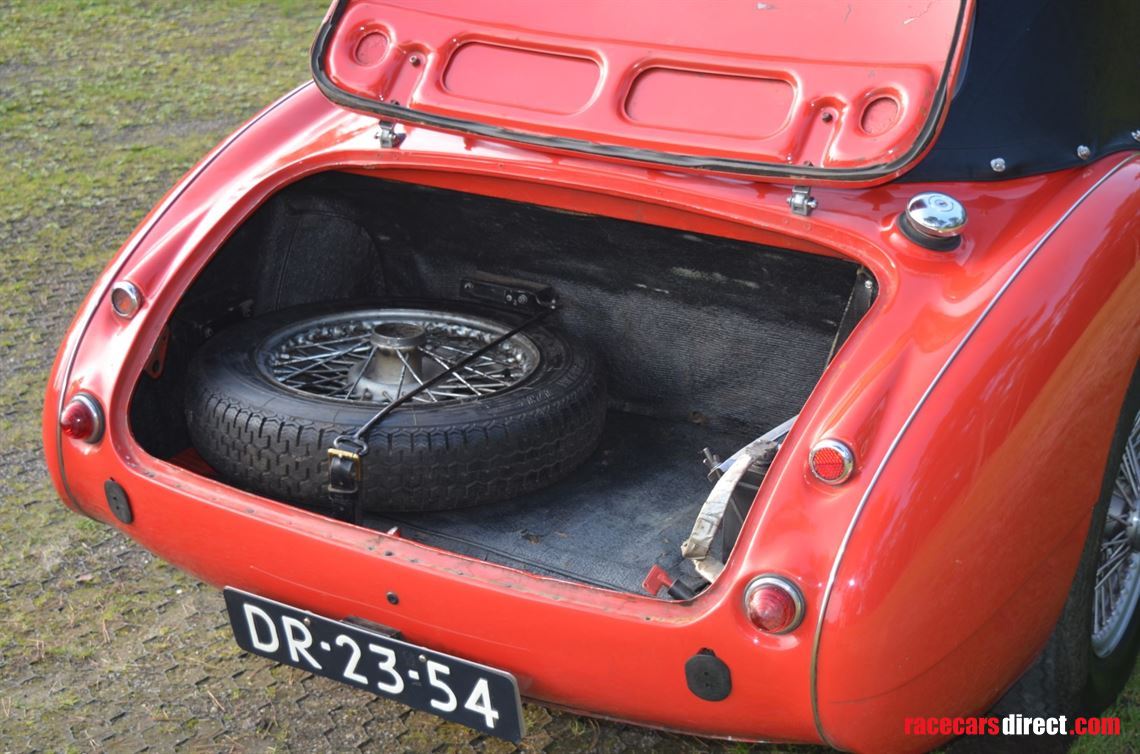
(465, 692)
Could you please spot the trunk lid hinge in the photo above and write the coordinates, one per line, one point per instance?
(390, 135)
(801, 201)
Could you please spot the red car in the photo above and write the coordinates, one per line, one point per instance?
(758, 370)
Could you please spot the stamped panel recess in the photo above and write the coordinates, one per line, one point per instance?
(529, 79)
(744, 106)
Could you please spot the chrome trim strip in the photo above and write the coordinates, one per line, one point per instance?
(906, 425)
(69, 360)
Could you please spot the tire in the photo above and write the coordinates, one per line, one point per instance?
(1069, 678)
(270, 439)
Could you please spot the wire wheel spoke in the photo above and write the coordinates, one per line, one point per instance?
(328, 357)
(1117, 587)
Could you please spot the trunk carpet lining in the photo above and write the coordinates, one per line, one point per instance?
(630, 506)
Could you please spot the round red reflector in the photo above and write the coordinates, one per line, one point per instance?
(125, 299)
(81, 419)
(773, 605)
(831, 461)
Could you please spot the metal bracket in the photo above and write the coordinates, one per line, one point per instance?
(390, 135)
(520, 294)
(157, 359)
(801, 201)
(374, 627)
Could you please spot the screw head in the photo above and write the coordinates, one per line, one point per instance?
(997, 165)
(1084, 152)
(1136, 135)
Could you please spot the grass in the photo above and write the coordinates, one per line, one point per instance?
(103, 104)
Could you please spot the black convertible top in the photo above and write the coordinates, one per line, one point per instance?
(1042, 78)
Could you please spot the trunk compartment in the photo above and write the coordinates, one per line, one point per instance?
(706, 341)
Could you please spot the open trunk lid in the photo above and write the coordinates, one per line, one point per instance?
(817, 91)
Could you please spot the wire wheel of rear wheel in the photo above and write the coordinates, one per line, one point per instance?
(1117, 587)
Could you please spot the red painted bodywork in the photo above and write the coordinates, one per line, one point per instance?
(979, 396)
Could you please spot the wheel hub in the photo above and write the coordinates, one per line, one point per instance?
(397, 353)
(1133, 529)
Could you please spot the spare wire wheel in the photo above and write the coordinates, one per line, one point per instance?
(485, 412)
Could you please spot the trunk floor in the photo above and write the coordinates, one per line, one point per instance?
(629, 506)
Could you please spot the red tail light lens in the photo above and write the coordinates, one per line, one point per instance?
(82, 419)
(773, 604)
(831, 461)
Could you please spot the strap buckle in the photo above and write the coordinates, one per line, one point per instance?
(345, 469)
(346, 457)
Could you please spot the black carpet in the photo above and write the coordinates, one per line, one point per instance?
(629, 506)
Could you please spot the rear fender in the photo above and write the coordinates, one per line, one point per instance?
(960, 559)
